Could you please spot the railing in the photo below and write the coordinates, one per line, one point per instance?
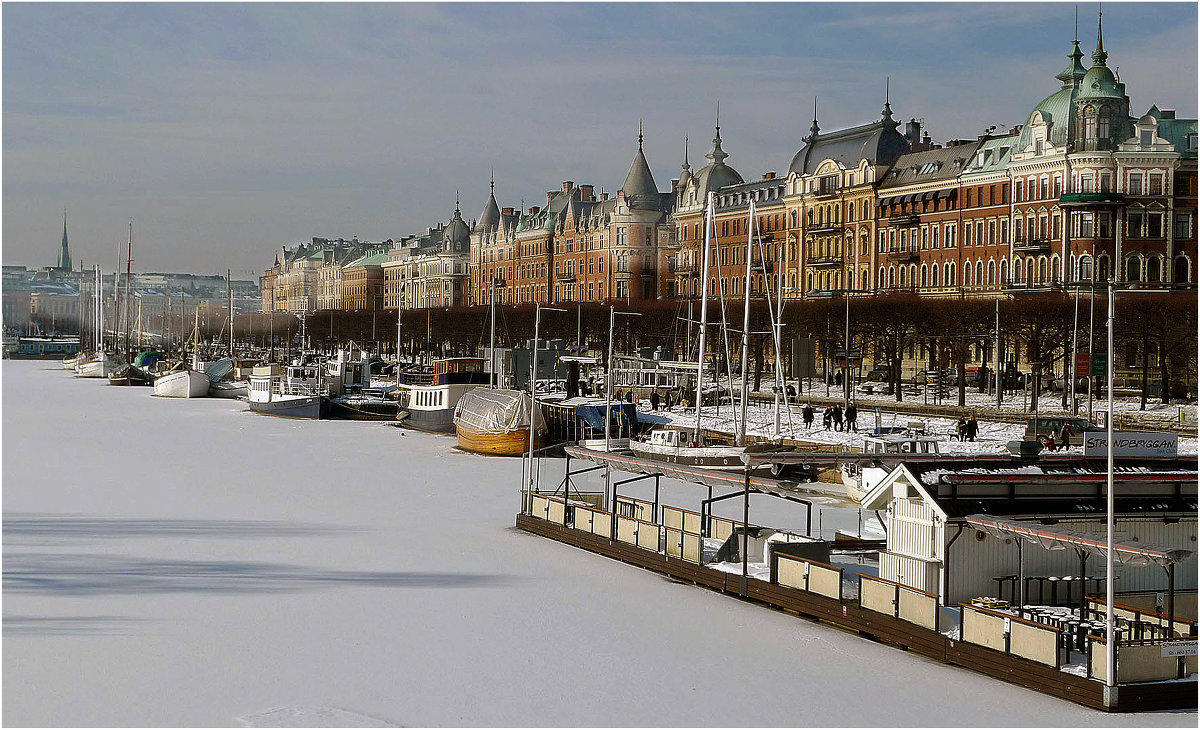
(1142, 660)
(1031, 244)
(902, 254)
(819, 261)
(808, 575)
(907, 219)
(1011, 634)
(899, 601)
(830, 227)
(1142, 621)
(565, 276)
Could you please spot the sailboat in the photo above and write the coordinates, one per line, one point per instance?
(698, 448)
(101, 364)
(182, 381)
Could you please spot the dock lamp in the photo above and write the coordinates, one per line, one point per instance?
(608, 375)
(1110, 645)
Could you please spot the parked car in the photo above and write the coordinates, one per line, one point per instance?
(946, 375)
(1052, 424)
(877, 374)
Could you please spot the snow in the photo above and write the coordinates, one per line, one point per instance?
(188, 563)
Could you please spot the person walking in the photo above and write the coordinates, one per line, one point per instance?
(1050, 443)
(827, 418)
(808, 415)
(960, 430)
(1065, 440)
(852, 417)
(654, 399)
(837, 416)
(972, 428)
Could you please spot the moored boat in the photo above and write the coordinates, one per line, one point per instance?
(496, 421)
(431, 406)
(182, 382)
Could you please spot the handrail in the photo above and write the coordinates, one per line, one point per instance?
(806, 560)
(1142, 611)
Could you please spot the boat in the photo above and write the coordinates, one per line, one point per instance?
(862, 475)
(430, 406)
(99, 365)
(182, 382)
(130, 375)
(43, 348)
(367, 404)
(307, 388)
(496, 421)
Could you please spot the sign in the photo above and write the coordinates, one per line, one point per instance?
(1082, 363)
(1181, 647)
(1102, 419)
(1182, 415)
(1099, 364)
(1131, 444)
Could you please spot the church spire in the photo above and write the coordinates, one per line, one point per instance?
(717, 155)
(64, 253)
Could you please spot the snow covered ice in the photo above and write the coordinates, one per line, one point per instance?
(188, 563)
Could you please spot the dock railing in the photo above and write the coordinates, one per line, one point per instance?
(808, 575)
(1139, 660)
(1011, 634)
(899, 601)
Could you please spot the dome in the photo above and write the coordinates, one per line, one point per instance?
(1100, 83)
(456, 235)
(1055, 108)
(717, 174)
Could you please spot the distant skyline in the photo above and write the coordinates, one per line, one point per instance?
(228, 130)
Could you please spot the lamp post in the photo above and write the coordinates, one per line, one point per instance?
(608, 374)
(1110, 646)
(537, 321)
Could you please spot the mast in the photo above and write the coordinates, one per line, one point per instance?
(492, 349)
(741, 434)
(399, 312)
(81, 318)
(229, 293)
(708, 224)
(128, 273)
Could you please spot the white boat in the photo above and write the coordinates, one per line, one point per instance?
(683, 446)
(99, 366)
(229, 389)
(182, 383)
(862, 475)
(429, 403)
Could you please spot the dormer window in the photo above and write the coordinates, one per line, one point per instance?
(1147, 137)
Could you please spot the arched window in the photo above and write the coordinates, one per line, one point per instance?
(850, 213)
(903, 275)
(793, 218)
(879, 280)
(1103, 268)
(1182, 274)
(1154, 269)
(912, 275)
(1055, 267)
(1085, 268)
(1003, 271)
(991, 272)
(891, 276)
(1133, 269)
(924, 275)
(1043, 269)
(865, 286)
(933, 277)
(967, 274)
(978, 272)
(808, 280)
(950, 273)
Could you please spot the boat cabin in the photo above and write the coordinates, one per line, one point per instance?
(900, 444)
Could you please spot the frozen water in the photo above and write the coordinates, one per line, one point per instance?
(190, 563)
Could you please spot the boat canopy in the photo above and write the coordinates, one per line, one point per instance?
(496, 410)
(218, 370)
(147, 357)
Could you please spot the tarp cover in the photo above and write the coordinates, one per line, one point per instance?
(625, 415)
(147, 357)
(495, 410)
(219, 369)
(1052, 537)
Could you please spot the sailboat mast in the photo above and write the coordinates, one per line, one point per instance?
(229, 293)
(741, 434)
(708, 226)
(492, 347)
(128, 273)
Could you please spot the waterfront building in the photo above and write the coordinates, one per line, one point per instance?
(432, 271)
(362, 283)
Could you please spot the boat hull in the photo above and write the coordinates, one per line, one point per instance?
(309, 407)
(228, 389)
(95, 369)
(182, 384)
(704, 457)
(507, 443)
(372, 410)
(434, 421)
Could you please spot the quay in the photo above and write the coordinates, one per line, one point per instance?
(1054, 649)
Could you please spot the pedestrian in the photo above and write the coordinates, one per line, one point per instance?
(827, 418)
(960, 430)
(1050, 443)
(629, 396)
(619, 396)
(654, 399)
(837, 416)
(852, 417)
(972, 428)
(1066, 434)
(837, 378)
(808, 415)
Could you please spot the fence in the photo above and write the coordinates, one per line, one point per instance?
(899, 601)
(1011, 634)
(808, 575)
(1138, 661)
(1145, 624)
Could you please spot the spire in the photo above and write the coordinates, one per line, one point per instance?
(815, 129)
(887, 101)
(489, 220)
(639, 134)
(1100, 56)
(639, 188)
(64, 253)
(717, 155)
(686, 166)
(1075, 71)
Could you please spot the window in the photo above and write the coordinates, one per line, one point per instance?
(1084, 225)
(1156, 183)
(1085, 268)
(1087, 184)
(1154, 225)
(1134, 227)
(1057, 186)
(1182, 270)
(1154, 269)
(1135, 183)
(1017, 191)
(1183, 225)
(1133, 269)
(1103, 225)
(1147, 137)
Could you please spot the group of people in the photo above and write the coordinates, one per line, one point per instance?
(1065, 435)
(833, 417)
(668, 400)
(967, 428)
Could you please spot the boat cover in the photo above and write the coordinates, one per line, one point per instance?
(495, 410)
(624, 415)
(218, 370)
(147, 358)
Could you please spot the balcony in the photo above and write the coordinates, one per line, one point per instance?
(821, 228)
(1032, 245)
(757, 265)
(905, 220)
(1084, 200)
(823, 262)
(565, 276)
(684, 269)
(902, 254)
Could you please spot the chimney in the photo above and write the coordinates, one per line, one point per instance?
(506, 211)
(567, 185)
(1166, 113)
(603, 196)
(768, 175)
(585, 192)
(912, 131)
(534, 209)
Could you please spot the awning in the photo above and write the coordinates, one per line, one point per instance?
(1052, 537)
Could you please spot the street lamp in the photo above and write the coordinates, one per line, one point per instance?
(608, 374)
(1110, 646)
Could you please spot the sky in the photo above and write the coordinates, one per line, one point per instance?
(225, 131)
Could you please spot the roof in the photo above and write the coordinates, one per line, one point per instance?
(878, 143)
(372, 260)
(1053, 537)
(639, 188)
(929, 166)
